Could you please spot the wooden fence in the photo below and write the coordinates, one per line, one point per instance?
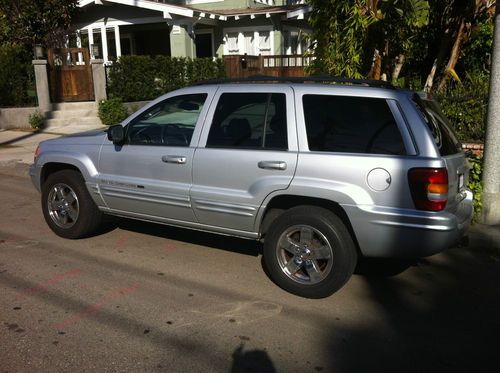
(242, 66)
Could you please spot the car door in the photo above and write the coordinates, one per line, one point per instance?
(248, 149)
(150, 174)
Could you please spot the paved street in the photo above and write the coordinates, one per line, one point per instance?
(144, 297)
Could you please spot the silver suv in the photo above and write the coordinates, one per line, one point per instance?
(323, 173)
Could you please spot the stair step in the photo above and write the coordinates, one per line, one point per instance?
(70, 114)
(87, 105)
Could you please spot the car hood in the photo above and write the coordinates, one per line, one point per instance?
(94, 137)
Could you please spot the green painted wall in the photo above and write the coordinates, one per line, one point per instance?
(181, 44)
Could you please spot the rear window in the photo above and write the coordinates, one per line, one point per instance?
(445, 139)
(351, 125)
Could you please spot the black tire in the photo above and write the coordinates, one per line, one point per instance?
(314, 277)
(71, 184)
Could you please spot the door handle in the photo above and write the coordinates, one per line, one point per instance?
(177, 159)
(272, 165)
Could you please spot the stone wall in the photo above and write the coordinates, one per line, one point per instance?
(15, 117)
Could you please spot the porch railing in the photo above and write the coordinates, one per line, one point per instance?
(242, 66)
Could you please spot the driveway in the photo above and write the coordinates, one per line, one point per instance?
(145, 297)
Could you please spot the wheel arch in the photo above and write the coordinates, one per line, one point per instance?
(280, 203)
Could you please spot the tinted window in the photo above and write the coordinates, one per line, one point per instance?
(170, 122)
(444, 137)
(249, 120)
(351, 125)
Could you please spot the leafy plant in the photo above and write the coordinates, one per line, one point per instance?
(476, 184)
(36, 120)
(15, 72)
(141, 78)
(112, 111)
(465, 106)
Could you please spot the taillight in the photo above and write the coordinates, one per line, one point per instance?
(37, 152)
(429, 188)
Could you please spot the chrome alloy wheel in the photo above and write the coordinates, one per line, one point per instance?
(63, 206)
(304, 254)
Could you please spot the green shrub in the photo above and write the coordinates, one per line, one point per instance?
(465, 106)
(36, 120)
(16, 76)
(142, 78)
(476, 184)
(112, 111)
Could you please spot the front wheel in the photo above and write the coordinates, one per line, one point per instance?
(309, 252)
(68, 207)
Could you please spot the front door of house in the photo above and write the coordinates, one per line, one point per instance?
(70, 74)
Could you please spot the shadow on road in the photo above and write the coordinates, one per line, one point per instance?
(215, 241)
(21, 137)
(251, 361)
(444, 319)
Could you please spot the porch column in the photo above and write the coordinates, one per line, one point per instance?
(79, 45)
(90, 32)
(117, 42)
(181, 42)
(42, 85)
(104, 38)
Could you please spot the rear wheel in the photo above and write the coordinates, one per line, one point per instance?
(68, 207)
(309, 252)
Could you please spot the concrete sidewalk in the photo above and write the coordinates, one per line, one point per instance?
(18, 146)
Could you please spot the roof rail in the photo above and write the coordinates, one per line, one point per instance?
(302, 79)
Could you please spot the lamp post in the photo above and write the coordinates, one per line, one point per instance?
(38, 52)
(491, 174)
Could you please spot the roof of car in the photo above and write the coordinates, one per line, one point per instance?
(325, 79)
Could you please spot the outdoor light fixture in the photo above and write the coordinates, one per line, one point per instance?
(38, 51)
(94, 48)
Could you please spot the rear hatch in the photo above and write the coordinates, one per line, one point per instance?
(451, 151)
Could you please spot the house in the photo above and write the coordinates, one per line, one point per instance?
(191, 28)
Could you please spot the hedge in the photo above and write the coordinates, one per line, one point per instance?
(16, 77)
(141, 78)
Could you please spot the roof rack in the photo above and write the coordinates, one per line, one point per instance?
(302, 79)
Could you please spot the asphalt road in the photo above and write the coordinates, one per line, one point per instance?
(144, 297)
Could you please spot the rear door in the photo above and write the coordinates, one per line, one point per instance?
(248, 149)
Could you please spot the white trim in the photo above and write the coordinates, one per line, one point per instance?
(104, 42)
(299, 13)
(90, 33)
(118, 44)
(190, 2)
(241, 40)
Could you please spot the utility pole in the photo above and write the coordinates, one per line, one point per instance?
(491, 173)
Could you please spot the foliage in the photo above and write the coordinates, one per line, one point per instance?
(34, 21)
(36, 120)
(112, 111)
(16, 75)
(465, 106)
(475, 184)
(140, 78)
(338, 33)
(476, 54)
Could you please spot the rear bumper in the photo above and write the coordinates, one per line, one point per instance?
(401, 233)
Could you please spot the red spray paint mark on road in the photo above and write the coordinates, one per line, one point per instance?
(47, 284)
(96, 307)
(168, 248)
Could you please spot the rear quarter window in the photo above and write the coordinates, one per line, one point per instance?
(445, 139)
(351, 125)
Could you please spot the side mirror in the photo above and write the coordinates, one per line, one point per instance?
(116, 134)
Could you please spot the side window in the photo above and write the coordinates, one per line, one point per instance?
(170, 122)
(250, 121)
(351, 125)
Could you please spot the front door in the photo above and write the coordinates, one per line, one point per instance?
(150, 175)
(246, 152)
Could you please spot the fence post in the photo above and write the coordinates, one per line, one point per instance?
(42, 85)
(99, 79)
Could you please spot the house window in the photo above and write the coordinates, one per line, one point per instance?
(232, 43)
(249, 40)
(295, 42)
(264, 42)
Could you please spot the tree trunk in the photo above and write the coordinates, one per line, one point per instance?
(430, 78)
(455, 53)
(376, 66)
(400, 60)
